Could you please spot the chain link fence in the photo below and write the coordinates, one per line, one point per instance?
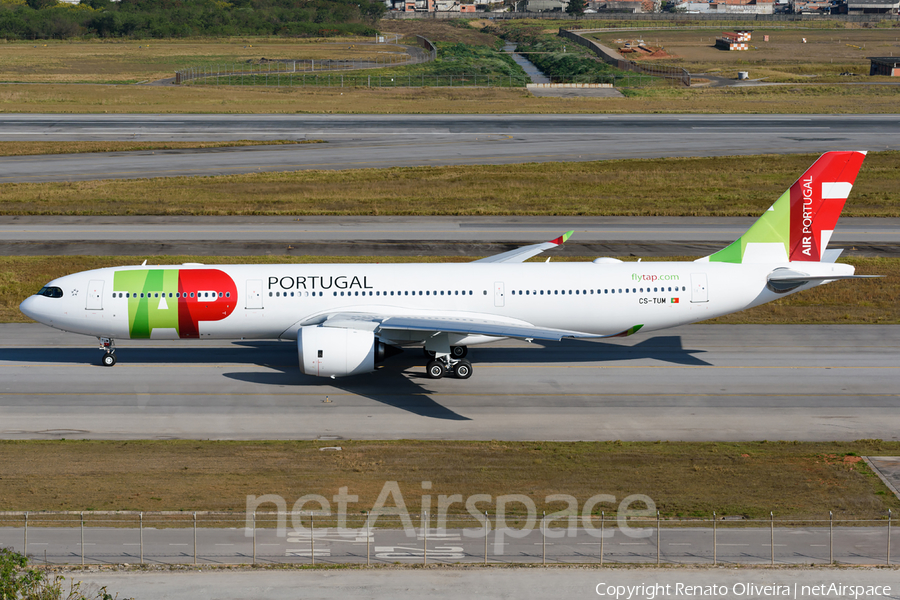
(289, 78)
(273, 71)
(316, 538)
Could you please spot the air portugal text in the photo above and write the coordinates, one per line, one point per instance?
(807, 217)
(319, 282)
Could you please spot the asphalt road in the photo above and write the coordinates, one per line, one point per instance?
(361, 236)
(491, 584)
(679, 546)
(699, 382)
(360, 141)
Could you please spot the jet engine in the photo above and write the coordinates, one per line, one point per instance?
(339, 352)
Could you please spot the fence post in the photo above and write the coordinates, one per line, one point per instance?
(715, 541)
(312, 538)
(657, 538)
(254, 536)
(889, 539)
(82, 539)
(486, 534)
(367, 539)
(544, 537)
(25, 544)
(425, 541)
(830, 537)
(601, 538)
(772, 536)
(141, 529)
(195, 538)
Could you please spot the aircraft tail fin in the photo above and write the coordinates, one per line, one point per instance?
(799, 225)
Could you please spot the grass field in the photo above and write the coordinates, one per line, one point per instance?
(719, 186)
(820, 99)
(35, 148)
(794, 480)
(864, 301)
(127, 61)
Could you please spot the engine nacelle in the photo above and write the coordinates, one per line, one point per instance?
(339, 352)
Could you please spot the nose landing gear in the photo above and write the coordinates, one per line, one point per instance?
(108, 345)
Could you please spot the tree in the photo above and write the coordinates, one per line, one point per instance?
(97, 4)
(576, 7)
(39, 4)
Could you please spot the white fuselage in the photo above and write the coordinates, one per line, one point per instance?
(274, 301)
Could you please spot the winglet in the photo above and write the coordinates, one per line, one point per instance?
(525, 252)
(562, 239)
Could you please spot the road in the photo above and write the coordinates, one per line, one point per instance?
(694, 383)
(410, 236)
(377, 141)
(497, 584)
(684, 546)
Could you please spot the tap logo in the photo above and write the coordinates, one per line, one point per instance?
(175, 299)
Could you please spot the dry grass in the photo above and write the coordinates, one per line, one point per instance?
(848, 302)
(819, 99)
(34, 148)
(720, 186)
(127, 61)
(795, 480)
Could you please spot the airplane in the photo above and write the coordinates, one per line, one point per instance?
(347, 318)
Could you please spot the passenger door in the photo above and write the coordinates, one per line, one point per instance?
(94, 299)
(499, 298)
(699, 293)
(254, 298)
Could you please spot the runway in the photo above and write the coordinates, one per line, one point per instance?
(404, 236)
(699, 382)
(378, 141)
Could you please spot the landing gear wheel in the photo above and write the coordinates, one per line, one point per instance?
(428, 353)
(436, 369)
(459, 351)
(108, 360)
(462, 369)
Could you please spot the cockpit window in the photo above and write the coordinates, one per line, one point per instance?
(51, 292)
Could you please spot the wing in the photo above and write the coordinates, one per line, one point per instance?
(525, 252)
(466, 325)
(476, 326)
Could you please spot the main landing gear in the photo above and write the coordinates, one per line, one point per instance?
(108, 345)
(452, 363)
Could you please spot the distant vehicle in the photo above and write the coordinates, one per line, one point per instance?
(346, 318)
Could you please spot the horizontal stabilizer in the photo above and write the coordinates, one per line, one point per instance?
(785, 280)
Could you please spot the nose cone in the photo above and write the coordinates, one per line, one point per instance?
(29, 307)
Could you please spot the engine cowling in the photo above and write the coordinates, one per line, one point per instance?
(339, 352)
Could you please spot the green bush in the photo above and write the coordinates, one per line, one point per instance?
(18, 582)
